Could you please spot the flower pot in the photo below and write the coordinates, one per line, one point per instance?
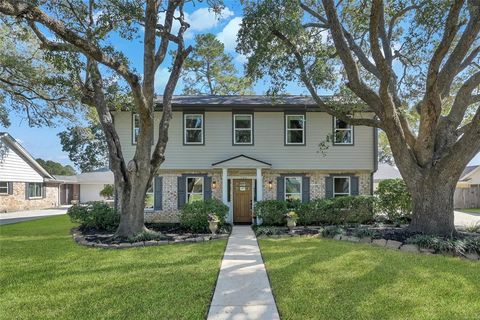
(213, 226)
(291, 223)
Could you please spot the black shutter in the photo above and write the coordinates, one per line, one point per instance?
(10, 187)
(328, 187)
(26, 190)
(305, 189)
(158, 193)
(181, 192)
(44, 190)
(280, 188)
(207, 194)
(354, 186)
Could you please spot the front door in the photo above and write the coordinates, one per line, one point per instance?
(242, 201)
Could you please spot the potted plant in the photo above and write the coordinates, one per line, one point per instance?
(213, 222)
(292, 218)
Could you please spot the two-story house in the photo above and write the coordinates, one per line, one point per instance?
(242, 149)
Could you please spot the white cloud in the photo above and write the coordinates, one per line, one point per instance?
(240, 58)
(200, 20)
(229, 33)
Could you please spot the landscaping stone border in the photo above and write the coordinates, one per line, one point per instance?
(389, 244)
(81, 239)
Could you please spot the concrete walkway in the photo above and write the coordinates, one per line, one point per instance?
(464, 219)
(20, 216)
(243, 290)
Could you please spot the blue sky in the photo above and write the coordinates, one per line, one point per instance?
(44, 142)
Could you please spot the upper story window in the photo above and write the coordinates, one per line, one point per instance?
(193, 128)
(341, 186)
(342, 132)
(243, 129)
(295, 129)
(135, 127)
(35, 190)
(293, 188)
(194, 189)
(3, 187)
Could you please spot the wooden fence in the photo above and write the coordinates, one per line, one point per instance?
(466, 198)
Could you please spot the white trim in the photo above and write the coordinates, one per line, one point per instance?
(349, 186)
(335, 129)
(288, 129)
(134, 136)
(285, 187)
(195, 193)
(235, 129)
(185, 115)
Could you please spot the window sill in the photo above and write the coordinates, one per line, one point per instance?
(34, 198)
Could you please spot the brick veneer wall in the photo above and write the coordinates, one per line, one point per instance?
(170, 213)
(17, 201)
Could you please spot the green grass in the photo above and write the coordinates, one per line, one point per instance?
(45, 275)
(327, 279)
(477, 210)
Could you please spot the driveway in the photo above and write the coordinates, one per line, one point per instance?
(20, 216)
(466, 219)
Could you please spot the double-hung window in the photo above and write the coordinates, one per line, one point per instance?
(3, 187)
(242, 129)
(295, 129)
(195, 189)
(342, 132)
(341, 186)
(149, 198)
(135, 127)
(35, 190)
(193, 128)
(293, 188)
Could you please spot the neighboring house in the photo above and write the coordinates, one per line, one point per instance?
(24, 184)
(467, 194)
(385, 172)
(242, 149)
(84, 187)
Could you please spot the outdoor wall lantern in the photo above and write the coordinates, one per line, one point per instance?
(270, 184)
(214, 184)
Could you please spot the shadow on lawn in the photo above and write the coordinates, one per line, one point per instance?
(353, 281)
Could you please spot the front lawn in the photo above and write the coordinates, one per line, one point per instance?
(45, 275)
(476, 210)
(316, 278)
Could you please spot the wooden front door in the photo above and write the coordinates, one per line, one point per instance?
(242, 201)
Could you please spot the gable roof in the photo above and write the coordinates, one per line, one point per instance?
(386, 171)
(469, 170)
(22, 152)
(241, 161)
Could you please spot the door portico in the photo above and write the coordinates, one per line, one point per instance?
(241, 202)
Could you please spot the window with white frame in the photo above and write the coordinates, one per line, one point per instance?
(193, 126)
(293, 188)
(342, 132)
(3, 187)
(35, 190)
(295, 129)
(149, 198)
(194, 189)
(243, 129)
(135, 127)
(341, 186)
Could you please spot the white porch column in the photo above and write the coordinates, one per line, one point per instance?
(224, 186)
(259, 184)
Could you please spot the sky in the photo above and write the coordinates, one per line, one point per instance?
(44, 142)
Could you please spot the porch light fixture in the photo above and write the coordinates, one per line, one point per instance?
(214, 184)
(270, 184)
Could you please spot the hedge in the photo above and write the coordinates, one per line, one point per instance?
(194, 216)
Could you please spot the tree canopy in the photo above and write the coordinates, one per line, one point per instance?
(209, 70)
(56, 168)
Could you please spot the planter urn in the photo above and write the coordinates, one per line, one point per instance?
(291, 223)
(213, 226)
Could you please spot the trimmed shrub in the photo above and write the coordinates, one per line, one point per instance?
(95, 215)
(194, 216)
(339, 211)
(272, 212)
(394, 200)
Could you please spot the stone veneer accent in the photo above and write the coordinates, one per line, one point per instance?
(18, 201)
(170, 212)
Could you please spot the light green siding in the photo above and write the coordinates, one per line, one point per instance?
(269, 143)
